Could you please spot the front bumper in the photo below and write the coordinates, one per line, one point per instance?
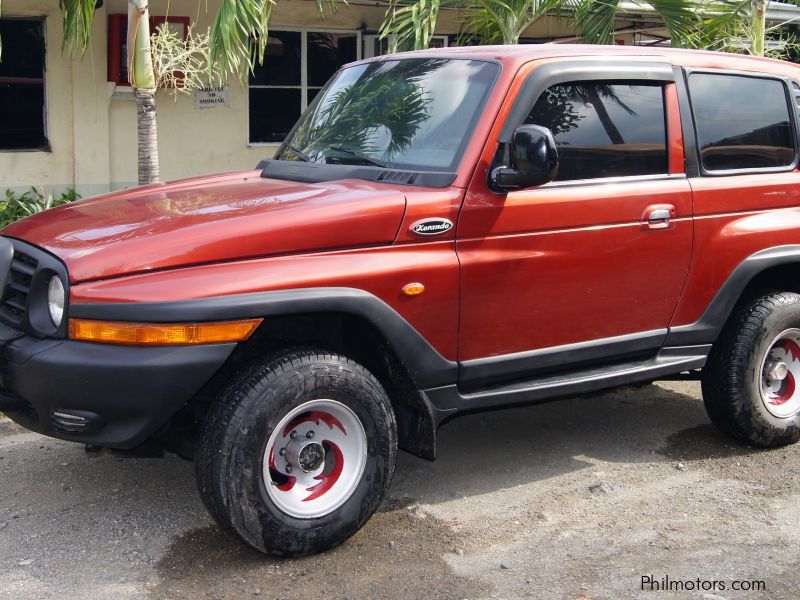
(125, 393)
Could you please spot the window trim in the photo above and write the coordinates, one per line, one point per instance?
(47, 147)
(303, 87)
(547, 75)
(790, 105)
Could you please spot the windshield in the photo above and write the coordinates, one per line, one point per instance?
(412, 114)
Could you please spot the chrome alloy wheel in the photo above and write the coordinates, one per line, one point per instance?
(314, 459)
(780, 375)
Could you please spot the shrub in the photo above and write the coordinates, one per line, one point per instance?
(13, 207)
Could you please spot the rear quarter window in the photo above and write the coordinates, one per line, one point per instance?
(742, 122)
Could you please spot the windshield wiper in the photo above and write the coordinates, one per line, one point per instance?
(373, 161)
(300, 154)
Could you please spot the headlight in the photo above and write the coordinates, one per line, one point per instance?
(55, 300)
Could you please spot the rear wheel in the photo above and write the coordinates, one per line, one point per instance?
(751, 385)
(297, 453)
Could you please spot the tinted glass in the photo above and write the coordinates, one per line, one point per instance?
(742, 122)
(409, 113)
(605, 129)
(22, 85)
(327, 52)
(281, 62)
(273, 112)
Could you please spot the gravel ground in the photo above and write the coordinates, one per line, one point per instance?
(574, 499)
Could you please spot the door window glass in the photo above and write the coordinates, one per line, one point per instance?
(604, 128)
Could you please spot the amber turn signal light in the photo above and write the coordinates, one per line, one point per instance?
(413, 289)
(157, 334)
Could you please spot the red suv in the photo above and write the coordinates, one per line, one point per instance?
(441, 232)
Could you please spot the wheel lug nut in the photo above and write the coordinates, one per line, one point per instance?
(288, 468)
(282, 451)
(310, 434)
(293, 435)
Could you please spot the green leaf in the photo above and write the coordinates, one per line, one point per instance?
(596, 19)
(411, 26)
(238, 38)
(78, 16)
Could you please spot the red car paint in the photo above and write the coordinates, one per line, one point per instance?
(526, 270)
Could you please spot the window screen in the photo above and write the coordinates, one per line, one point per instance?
(742, 122)
(22, 123)
(605, 129)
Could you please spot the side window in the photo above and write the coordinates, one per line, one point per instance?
(742, 122)
(605, 128)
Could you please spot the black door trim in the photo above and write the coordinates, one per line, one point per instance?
(484, 371)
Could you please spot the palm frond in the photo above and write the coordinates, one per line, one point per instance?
(410, 26)
(595, 20)
(78, 16)
(717, 21)
(678, 15)
(238, 38)
(328, 5)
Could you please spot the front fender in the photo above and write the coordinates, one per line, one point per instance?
(426, 367)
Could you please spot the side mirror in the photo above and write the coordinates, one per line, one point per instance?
(533, 158)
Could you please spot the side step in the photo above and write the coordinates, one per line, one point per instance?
(669, 361)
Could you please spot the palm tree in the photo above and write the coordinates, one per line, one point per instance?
(237, 40)
(740, 26)
(411, 23)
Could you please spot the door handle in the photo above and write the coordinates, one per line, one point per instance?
(659, 217)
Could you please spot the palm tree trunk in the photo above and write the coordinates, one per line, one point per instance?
(758, 21)
(147, 136)
(143, 79)
(605, 119)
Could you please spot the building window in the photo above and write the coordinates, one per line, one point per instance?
(296, 66)
(22, 100)
(742, 122)
(605, 129)
(118, 42)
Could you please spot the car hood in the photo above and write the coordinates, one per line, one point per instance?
(211, 219)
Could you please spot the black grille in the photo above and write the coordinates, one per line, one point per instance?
(15, 297)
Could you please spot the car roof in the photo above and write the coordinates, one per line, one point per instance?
(516, 55)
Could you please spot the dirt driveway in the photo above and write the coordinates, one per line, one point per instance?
(575, 499)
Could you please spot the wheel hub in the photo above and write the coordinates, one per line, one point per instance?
(777, 370)
(305, 454)
(779, 374)
(315, 458)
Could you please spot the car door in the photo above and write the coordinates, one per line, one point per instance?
(590, 266)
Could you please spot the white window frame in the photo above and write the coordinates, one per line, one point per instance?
(303, 87)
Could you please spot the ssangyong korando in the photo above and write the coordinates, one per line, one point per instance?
(441, 232)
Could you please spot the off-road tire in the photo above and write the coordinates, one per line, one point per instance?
(230, 455)
(731, 378)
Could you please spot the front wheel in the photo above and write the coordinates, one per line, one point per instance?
(297, 453)
(751, 384)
